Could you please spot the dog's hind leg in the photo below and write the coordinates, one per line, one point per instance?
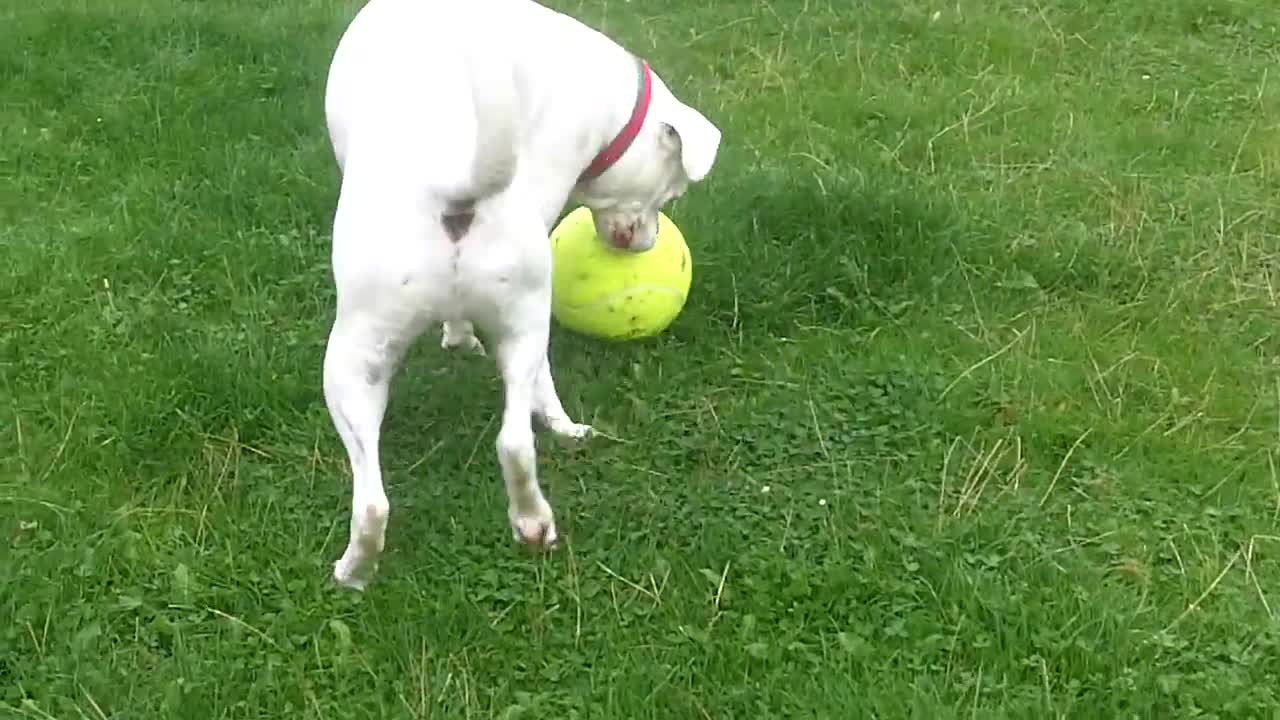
(361, 357)
(519, 358)
(519, 340)
(379, 314)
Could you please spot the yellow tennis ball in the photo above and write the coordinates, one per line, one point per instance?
(599, 290)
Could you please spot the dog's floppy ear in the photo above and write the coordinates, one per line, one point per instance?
(696, 138)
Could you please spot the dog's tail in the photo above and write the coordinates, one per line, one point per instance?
(495, 102)
(475, 152)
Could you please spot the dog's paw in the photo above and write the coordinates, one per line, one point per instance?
(359, 562)
(354, 573)
(461, 338)
(571, 433)
(534, 526)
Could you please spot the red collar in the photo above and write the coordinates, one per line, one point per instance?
(615, 149)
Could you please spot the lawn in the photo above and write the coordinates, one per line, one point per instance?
(974, 410)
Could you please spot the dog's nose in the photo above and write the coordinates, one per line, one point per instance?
(620, 238)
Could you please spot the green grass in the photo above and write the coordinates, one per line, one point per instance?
(974, 411)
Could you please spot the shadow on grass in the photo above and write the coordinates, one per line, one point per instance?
(779, 250)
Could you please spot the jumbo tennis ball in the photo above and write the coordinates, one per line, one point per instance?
(599, 290)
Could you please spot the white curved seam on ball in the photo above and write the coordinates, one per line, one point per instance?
(637, 288)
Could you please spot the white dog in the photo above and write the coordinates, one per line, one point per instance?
(461, 129)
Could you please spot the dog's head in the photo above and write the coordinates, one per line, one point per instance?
(676, 146)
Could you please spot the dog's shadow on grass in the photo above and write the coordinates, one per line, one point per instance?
(774, 251)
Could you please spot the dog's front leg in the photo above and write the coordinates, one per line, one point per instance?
(460, 334)
(551, 412)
